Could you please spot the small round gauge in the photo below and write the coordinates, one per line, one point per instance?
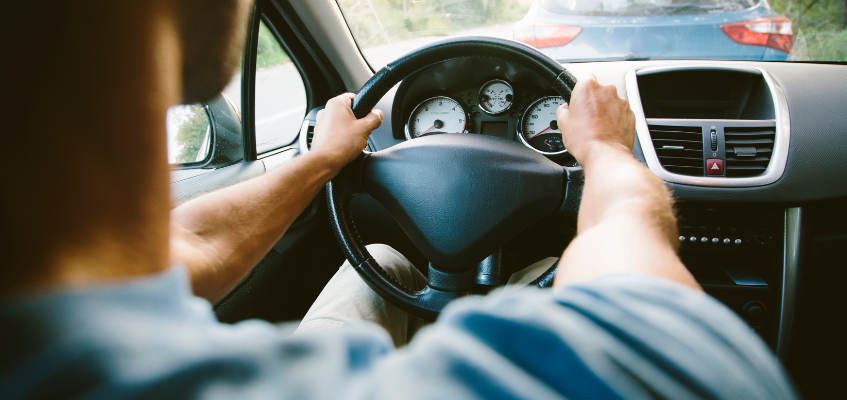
(436, 115)
(539, 128)
(496, 96)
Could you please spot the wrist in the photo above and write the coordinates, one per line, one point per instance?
(601, 153)
(328, 165)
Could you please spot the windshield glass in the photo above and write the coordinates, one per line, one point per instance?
(587, 30)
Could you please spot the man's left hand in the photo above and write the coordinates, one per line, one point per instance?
(338, 134)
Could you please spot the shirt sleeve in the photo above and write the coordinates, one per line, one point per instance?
(626, 336)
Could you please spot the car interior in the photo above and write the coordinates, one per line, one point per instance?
(753, 152)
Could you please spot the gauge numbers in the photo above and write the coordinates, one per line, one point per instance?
(539, 129)
(496, 96)
(436, 115)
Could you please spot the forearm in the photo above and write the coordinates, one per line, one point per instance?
(221, 236)
(617, 186)
(626, 223)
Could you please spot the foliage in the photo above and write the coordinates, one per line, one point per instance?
(380, 22)
(820, 28)
(192, 124)
(268, 50)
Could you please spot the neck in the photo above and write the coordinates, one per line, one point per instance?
(90, 199)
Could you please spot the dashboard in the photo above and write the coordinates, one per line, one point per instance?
(776, 130)
(814, 96)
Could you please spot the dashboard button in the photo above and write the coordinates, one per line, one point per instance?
(704, 239)
(682, 238)
(727, 241)
(715, 240)
(692, 239)
(737, 241)
(714, 166)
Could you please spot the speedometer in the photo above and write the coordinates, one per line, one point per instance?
(539, 127)
(436, 115)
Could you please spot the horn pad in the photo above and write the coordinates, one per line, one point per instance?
(459, 196)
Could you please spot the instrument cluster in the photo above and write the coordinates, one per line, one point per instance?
(495, 108)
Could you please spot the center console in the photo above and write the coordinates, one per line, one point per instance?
(725, 126)
(736, 254)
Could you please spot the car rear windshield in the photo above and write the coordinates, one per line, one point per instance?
(645, 8)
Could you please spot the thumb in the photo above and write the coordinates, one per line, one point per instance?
(372, 120)
(562, 114)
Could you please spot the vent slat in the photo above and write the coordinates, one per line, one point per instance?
(762, 138)
(759, 149)
(749, 159)
(755, 167)
(745, 134)
(685, 153)
(762, 141)
(681, 162)
(692, 171)
(671, 141)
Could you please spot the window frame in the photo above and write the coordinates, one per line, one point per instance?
(320, 80)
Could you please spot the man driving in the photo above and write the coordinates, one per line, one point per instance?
(105, 290)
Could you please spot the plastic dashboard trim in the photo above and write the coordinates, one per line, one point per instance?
(775, 169)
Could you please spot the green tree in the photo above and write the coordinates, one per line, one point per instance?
(380, 22)
(820, 28)
(268, 50)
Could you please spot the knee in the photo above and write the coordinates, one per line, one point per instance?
(388, 257)
(396, 265)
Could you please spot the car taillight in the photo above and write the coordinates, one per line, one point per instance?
(776, 32)
(541, 36)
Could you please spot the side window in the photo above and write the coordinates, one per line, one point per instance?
(280, 95)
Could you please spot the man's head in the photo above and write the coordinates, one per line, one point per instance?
(84, 155)
(213, 37)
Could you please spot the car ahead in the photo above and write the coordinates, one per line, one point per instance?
(649, 29)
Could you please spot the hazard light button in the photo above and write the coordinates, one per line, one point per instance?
(714, 166)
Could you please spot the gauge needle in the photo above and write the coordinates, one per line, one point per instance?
(433, 127)
(544, 130)
(489, 104)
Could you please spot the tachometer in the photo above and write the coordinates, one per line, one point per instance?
(539, 129)
(496, 96)
(436, 115)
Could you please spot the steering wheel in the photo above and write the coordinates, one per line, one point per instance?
(457, 196)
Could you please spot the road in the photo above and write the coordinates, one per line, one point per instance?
(281, 97)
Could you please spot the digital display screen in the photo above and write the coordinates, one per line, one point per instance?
(495, 128)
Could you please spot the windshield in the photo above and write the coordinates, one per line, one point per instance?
(588, 30)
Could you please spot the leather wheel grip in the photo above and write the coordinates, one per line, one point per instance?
(442, 287)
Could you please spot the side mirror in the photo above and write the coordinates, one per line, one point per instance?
(205, 135)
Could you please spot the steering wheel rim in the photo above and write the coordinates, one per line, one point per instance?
(443, 285)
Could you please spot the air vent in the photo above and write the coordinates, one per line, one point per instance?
(310, 134)
(680, 148)
(307, 133)
(748, 150)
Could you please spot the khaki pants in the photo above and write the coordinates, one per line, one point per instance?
(348, 299)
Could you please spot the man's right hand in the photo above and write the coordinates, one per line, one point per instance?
(597, 119)
(338, 134)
